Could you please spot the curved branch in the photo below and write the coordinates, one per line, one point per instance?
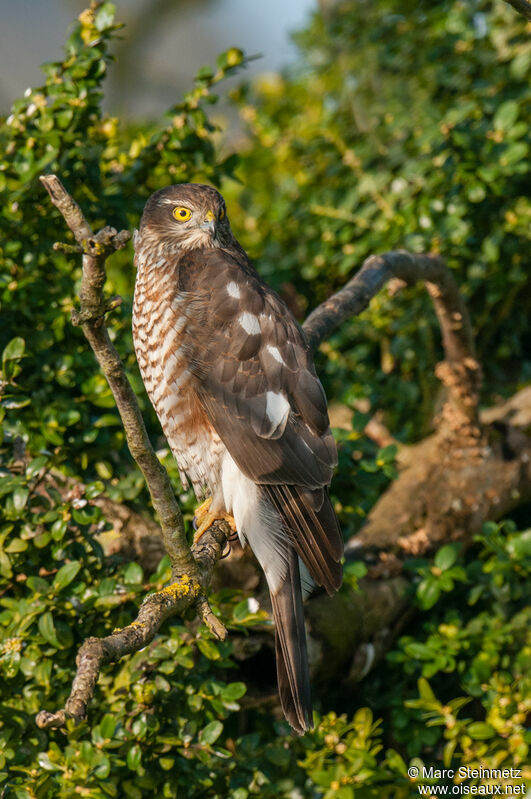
(156, 608)
(460, 371)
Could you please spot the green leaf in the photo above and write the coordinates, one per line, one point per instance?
(103, 769)
(105, 16)
(104, 470)
(5, 565)
(428, 592)
(355, 568)
(47, 630)
(278, 756)
(208, 648)
(133, 574)
(14, 350)
(107, 725)
(65, 575)
(20, 497)
(44, 762)
(134, 757)
(230, 58)
(519, 547)
(36, 465)
(87, 515)
(242, 611)
(514, 154)
(506, 115)
(38, 585)
(446, 557)
(211, 732)
(14, 402)
(387, 453)
(480, 730)
(233, 691)
(425, 690)
(16, 545)
(93, 490)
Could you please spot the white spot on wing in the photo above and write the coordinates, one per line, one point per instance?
(250, 323)
(275, 352)
(233, 290)
(277, 408)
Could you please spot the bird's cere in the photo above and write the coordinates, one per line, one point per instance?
(250, 323)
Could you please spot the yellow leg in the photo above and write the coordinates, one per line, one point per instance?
(208, 519)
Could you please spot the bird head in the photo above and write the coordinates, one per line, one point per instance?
(186, 216)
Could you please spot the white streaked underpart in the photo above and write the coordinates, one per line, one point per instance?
(182, 378)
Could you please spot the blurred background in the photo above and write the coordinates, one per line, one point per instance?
(166, 43)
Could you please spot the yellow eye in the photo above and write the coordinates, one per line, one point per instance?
(181, 213)
(221, 214)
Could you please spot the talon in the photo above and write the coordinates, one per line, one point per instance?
(226, 552)
(209, 519)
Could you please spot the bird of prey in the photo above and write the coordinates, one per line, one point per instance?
(231, 378)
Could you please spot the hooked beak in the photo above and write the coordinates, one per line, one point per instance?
(209, 222)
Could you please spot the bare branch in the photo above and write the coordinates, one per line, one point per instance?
(522, 6)
(460, 371)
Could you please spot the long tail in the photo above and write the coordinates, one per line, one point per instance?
(290, 643)
(261, 523)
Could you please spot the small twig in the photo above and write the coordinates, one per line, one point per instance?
(460, 371)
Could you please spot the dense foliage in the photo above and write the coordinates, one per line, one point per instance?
(366, 148)
(405, 126)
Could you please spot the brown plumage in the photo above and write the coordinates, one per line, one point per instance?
(229, 373)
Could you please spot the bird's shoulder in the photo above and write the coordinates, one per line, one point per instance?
(225, 282)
